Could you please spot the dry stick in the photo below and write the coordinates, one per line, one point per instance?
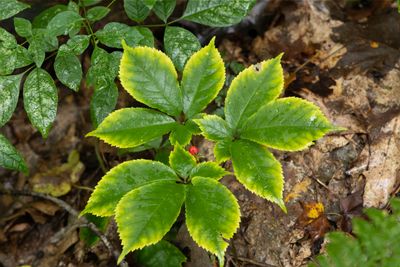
(85, 222)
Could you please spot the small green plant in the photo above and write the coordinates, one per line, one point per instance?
(146, 196)
(376, 242)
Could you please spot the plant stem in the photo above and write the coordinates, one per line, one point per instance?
(99, 158)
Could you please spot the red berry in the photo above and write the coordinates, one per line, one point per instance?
(193, 150)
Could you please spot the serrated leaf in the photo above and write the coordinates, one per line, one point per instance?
(161, 254)
(10, 157)
(287, 124)
(103, 101)
(10, 8)
(122, 179)
(214, 128)
(202, 79)
(43, 19)
(23, 27)
(208, 170)
(64, 22)
(181, 135)
(164, 8)
(251, 89)
(258, 170)
(146, 214)
(217, 13)
(87, 235)
(138, 10)
(9, 93)
(222, 151)
(40, 100)
(179, 45)
(181, 161)
(68, 69)
(78, 44)
(114, 32)
(212, 215)
(150, 77)
(130, 127)
(97, 13)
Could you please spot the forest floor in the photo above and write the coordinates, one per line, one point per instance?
(344, 59)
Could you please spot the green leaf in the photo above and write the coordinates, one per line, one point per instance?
(150, 77)
(68, 69)
(222, 151)
(212, 215)
(214, 128)
(87, 235)
(104, 67)
(203, 77)
(181, 161)
(164, 8)
(89, 2)
(10, 8)
(7, 40)
(64, 22)
(138, 10)
(287, 124)
(72, 6)
(97, 13)
(114, 32)
(181, 135)
(146, 214)
(10, 158)
(251, 89)
(43, 19)
(45, 39)
(23, 27)
(40, 100)
(22, 57)
(7, 61)
(217, 13)
(103, 101)
(123, 178)
(161, 254)
(179, 45)
(9, 93)
(129, 127)
(37, 51)
(78, 44)
(258, 170)
(209, 170)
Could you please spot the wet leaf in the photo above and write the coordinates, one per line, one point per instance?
(208, 170)
(222, 151)
(43, 19)
(9, 93)
(180, 44)
(151, 209)
(10, 8)
(181, 161)
(217, 13)
(23, 27)
(130, 127)
(103, 102)
(161, 254)
(40, 100)
(164, 8)
(122, 179)
(214, 128)
(78, 44)
(68, 69)
(212, 215)
(138, 10)
(37, 51)
(22, 57)
(64, 22)
(103, 68)
(181, 134)
(150, 77)
(10, 158)
(97, 13)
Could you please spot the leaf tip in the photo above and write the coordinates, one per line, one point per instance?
(212, 41)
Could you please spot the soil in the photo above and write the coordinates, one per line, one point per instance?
(343, 57)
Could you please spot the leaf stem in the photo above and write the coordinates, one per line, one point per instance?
(112, 2)
(99, 158)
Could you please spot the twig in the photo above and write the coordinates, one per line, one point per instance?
(82, 220)
(246, 260)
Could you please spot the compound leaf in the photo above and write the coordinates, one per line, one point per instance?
(251, 89)
(64, 22)
(40, 100)
(179, 45)
(164, 8)
(287, 124)
(43, 19)
(209, 170)
(68, 69)
(217, 13)
(203, 77)
(97, 13)
(122, 179)
(150, 77)
(10, 157)
(146, 214)
(37, 51)
(10, 8)
(130, 127)
(78, 44)
(161, 254)
(212, 215)
(138, 10)
(103, 101)
(181, 161)
(258, 170)
(9, 93)
(114, 32)
(103, 68)
(214, 128)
